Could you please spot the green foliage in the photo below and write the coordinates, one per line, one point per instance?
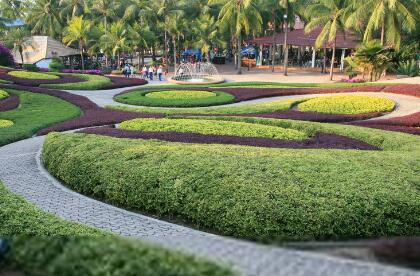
(30, 67)
(36, 112)
(3, 94)
(56, 65)
(91, 82)
(347, 105)
(212, 127)
(19, 217)
(97, 256)
(254, 193)
(408, 68)
(33, 75)
(5, 123)
(274, 106)
(174, 98)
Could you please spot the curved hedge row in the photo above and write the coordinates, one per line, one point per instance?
(91, 82)
(347, 105)
(255, 193)
(33, 75)
(175, 98)
(213, 127)
(3, 94)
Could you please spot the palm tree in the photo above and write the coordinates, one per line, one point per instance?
(106, 9)
(19, 39)
(205, 29)
(289, 7)
(78, 30)
(329, 15)
(118, 38)
(45, 18)
(178, 25)
(71, 8)
(241, 16)
(390, 16)
(140, 37)
(137, 10)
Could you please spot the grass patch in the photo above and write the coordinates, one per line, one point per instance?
(175, 98)
(274, 106)
(33, 75)
(91, 82)
(212, 127)
(3, 94)
(36, 112)
(347, 105)
(254, 193)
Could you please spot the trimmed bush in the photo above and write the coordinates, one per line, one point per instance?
(91, 82)
(98, 256)
(175, 98)
(3, 94)
(56, 65)
(35, 112)
(212, 127)
(6, 57)
(30, 67)
(347, 105)
(255, 193)
(33, 75)
(5, 123)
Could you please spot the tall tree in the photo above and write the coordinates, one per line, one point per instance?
(205, 29)
(117, 36)
(44, 16)
(106, 9)
(289, 9)
(78, 30)
(391, 17)
(328, 15)
(71, 8)
(240, 16)
(19, 39)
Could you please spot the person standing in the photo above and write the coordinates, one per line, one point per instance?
(144, 71)
(151, 72)
(160, 72)
(127, 71)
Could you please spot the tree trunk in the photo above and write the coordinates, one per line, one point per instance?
(142, 56)
(273, 56)
(105, 24)
(239, 55)
(332, 60)
(383, 33)
(324, 66)
(174, 42)
(81, 57)
(21, 55)
(208, 56)
(119, 60)
(286, 52)
(139, 60)
(166, 51)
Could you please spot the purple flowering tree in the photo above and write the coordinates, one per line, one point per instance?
(6, 57)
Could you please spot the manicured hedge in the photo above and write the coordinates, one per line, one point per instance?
(36, 112)
(347, 105)
(254, 193)
(175, 98)
(274, 106)
(213, 127)
(98, 256)
(3, 94)
(91, 82)
(33, 75)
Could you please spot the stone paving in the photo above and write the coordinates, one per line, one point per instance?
(22, 172)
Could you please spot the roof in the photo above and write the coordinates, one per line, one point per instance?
(300, 38)
(44, 47)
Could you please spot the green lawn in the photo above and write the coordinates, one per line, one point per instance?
(33, 75)
(254, 193)
(174, 98)
(36, 112)
(91, 82)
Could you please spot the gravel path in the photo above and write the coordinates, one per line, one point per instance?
(22, 173)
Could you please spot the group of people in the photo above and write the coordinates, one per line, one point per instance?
(148, 71)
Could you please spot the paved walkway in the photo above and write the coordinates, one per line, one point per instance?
(21, 172)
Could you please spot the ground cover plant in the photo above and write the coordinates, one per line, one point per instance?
(255, 193)
(213, 127)
(347, 105)
(175, 98)
(33, 75)
(35, 112)
(5, 123)
(90, 82)
(3, 95)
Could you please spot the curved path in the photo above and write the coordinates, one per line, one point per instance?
(22, 172)
(406, 105)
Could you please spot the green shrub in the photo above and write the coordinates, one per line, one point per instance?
(36, 112)
(409, 68)
(91, 82)
(33, 75)
(5, 123)
(3, 94)
(255, 193)
(175, 98)
(56, 65)
(30, 67)
(213, 127)
(279, 105)
(347, 105)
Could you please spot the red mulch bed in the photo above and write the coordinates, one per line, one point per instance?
(320, 140)
(401, 251)
(10, 103)
(408, 124)
(405, 89)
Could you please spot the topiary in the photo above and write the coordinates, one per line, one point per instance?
(30, 67)
(6, 57)
(56, 65)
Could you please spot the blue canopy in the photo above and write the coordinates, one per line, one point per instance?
(248, 50)
(192, 52)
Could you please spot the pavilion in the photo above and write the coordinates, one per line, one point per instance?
(301, 46)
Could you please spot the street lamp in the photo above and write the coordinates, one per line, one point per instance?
(286, 52)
